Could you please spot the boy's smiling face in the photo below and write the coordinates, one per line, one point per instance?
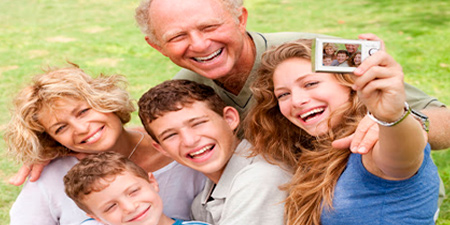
(126, 199)
(198, 137)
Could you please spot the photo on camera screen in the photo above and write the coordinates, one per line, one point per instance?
(341, 55)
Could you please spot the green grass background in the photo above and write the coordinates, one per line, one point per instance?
(102, 37)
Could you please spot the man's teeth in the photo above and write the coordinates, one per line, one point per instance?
(309, 113)
(214, 54)
(93, 137)
(201, 151)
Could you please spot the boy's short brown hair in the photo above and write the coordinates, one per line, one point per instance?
(342, 51)
(87, 176)
(173, 95)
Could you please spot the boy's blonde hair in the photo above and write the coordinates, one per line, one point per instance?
(26, 137)
(95, 172)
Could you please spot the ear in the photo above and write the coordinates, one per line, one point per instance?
(243, 19)
(160, 149)
(154, 45)
(231, 116)
(153, 181)
(95, 218)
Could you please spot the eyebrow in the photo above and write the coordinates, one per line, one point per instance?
(188, 121)
(73, 112)
(297, 80)
(202, 24)
(169, 34)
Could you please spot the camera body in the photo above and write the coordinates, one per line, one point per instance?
(366, 48)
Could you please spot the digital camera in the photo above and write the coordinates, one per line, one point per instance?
(322, 50)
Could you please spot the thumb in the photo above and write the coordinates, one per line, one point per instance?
(343, 143)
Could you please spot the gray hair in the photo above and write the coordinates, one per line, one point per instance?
(144, 22)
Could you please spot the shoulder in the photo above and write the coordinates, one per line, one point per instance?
(44, 201)
(261, 170)
(257, 169)
(56, 170)
(282, 37)
(418, 100)
(185, 74)
(174, 169)
(51, 179)
(50, 184)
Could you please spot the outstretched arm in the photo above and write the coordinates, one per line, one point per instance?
(399, 151)
(366, 135)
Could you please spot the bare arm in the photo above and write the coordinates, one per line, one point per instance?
(439, 134)
(399, 151)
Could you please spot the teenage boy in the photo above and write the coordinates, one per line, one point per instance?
(113, 190)
(342, 56)
(190, 123)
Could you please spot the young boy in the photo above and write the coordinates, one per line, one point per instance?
(342, 56)
(113, 190)
(327, 60)
(190, 123)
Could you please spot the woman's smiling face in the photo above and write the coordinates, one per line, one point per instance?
(77, 126)
(306, 98)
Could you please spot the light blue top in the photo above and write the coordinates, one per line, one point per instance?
(363, 198)
(181, 222)
(92, 221)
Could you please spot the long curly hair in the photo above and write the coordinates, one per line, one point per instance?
(316, 165)
(25, 136)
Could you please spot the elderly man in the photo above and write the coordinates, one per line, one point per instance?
(208, 38)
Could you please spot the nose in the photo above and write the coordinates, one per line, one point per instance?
(189, 138)
(128, 206)
(198, 41)
(80, 127)
(299, 98)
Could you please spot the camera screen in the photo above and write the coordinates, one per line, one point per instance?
(340, 54)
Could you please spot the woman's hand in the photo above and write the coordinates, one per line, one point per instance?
(33, 170)
(379, 82)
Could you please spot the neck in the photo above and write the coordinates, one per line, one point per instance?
(236, 79)
(125, 143)
(145, 155)
(164, 220)
(215, 177)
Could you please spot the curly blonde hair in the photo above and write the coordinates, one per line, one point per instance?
(143, 18)
(25, 136)
(332, 46)
(316, 165)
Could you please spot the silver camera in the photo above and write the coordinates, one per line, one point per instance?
(345, 54)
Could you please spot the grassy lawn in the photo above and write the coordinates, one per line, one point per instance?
(102, 37)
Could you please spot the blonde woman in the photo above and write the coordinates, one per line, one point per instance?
(66, 111)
